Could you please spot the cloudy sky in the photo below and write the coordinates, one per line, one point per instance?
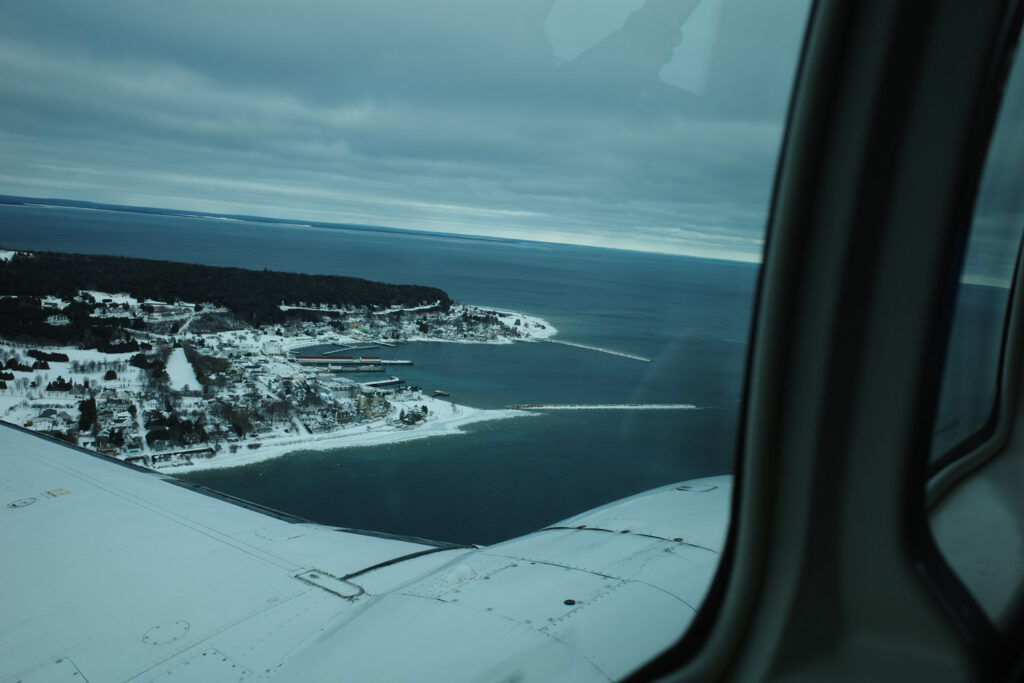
(642, 124)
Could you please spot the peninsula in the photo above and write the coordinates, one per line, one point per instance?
(172, 365)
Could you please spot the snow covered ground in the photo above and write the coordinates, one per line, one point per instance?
(116, 298)
(444, 419)
(531, 327)
(180, 371)
(258, 366)
(20, 404)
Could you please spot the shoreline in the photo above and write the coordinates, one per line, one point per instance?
(140, 416)
(376, 433)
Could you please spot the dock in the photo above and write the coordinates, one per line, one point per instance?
(589, 347)
(295, 348)
(343, 361)
(356, 368)
(354, 347)
(601, 406)
(383, 383)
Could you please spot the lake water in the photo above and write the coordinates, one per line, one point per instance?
(502, 478)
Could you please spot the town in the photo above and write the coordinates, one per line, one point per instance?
(190, 385)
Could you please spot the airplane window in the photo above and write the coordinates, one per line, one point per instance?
(577, 191)
(604, 168)
(970, 383)
(974, 512)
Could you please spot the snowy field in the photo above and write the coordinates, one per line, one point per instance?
(180, 371)
(19, 405)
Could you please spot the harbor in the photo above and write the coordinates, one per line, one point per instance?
(331, 357)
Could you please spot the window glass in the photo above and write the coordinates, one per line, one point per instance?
(971, 378)
(584, 183)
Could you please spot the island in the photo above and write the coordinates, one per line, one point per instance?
(172, 365)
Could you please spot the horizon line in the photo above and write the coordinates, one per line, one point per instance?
(185, 213)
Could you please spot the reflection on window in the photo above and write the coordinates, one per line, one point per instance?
(971, 377)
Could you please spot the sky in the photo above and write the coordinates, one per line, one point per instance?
(638, 124)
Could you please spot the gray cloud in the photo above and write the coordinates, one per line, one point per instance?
(440, 115)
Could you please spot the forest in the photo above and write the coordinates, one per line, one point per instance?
(23, 319)
(253, 296)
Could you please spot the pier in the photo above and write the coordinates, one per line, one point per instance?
(383, 383)
(296, 349)
(335, 367)
(601, 406)
(340, 361)
(349, 347)
(589, 347)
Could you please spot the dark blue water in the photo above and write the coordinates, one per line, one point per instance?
(504, 478)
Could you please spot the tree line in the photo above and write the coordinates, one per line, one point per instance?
(253, 296)
(23, 319)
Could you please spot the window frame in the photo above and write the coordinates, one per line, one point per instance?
(750, 624)
(979, 447)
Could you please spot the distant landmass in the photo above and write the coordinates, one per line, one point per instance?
(76, 204)
(255, 297)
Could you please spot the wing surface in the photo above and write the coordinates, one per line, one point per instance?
(588, 599)
(112, 573)
(122, 575)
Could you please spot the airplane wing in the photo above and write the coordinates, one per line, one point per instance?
(114, 573)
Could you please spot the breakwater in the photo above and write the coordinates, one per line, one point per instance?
(601, 349)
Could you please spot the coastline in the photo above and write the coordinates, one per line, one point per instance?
(259, 366)
(377, 433)
(538, 329)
